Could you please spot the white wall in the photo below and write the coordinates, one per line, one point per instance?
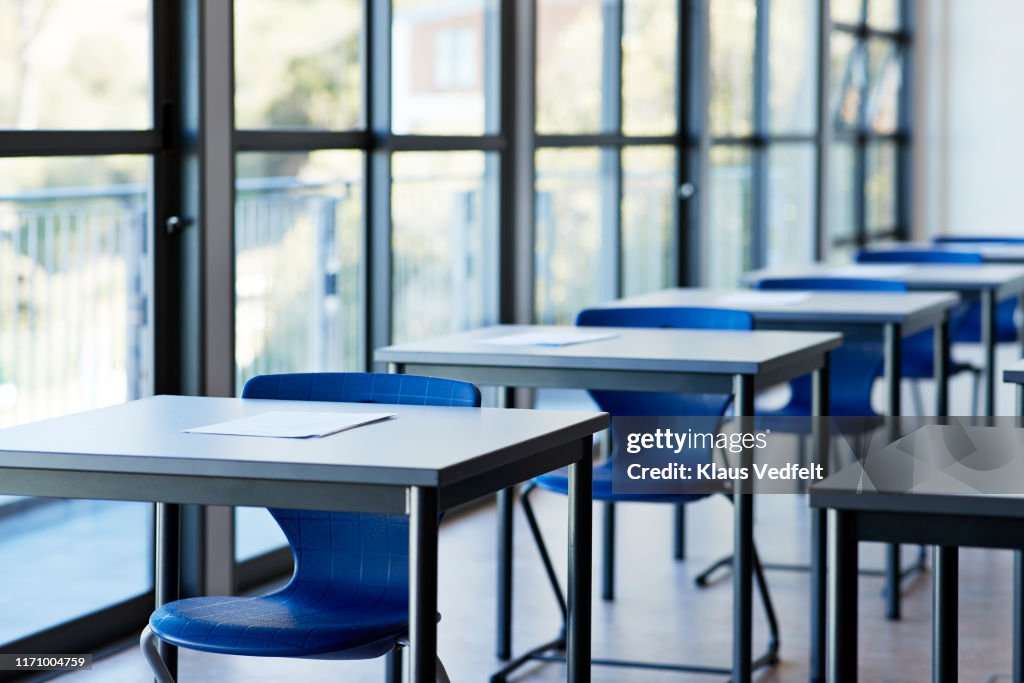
(969, 117)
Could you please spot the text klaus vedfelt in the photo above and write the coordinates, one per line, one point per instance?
(666, 439)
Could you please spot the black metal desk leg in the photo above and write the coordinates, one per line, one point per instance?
(743, 546)
(988, 343)
(944, 615)
(503, 648)
(842, 605)
(819, 531)
(580, 564)
(423, 512)
(168, 570)
(893, 375)
(942, 367)
(505, 504)
(1018, 616)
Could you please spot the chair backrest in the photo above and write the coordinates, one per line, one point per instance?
(985, 239)
(837, 284)
(855, 365)
(700, 412)
(342, 557)
(938, 256)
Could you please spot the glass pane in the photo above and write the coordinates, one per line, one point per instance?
(884, 14)
(729, 214)
(444, 56)
(570, 59)
(64, 64)
(791, 205)
(880, 187)
(847, 11)
(298, 263)
(849, 74)
(571, 262)
(298, 274)
(297, 69)
(649, 67)
(733, 24)
(444, 242)
(792, 63)
(885, 78)
(648, 218)
(842, 196)
(75, 291)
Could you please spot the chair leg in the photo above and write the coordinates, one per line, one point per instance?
(772, 655)
(608, 553)
(538, 539)
(442, 675)
(679, 538)
(393, 666)
(148, 643)
(915, 390)
(976, 397)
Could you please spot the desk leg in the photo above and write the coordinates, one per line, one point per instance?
(168, 570)
(743, 543)
(423, 512)
(842, 607)
(941, 346)
(819, 530)
(506, 508)
(893, 375)
(988, 343)
(580, 561)
(1018, 616)
(944, 615)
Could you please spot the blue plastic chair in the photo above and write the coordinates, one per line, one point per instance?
(349, 595)
(857, 364)
(967, 327)
(636, 403)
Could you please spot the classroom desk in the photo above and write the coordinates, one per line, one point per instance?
(420, 463)
(716, 361)
(887, 316)
(930, 487)
(988, 283)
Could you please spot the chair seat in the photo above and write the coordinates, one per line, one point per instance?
(276, 626)
(558, 482)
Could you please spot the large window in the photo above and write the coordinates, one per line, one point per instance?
(765, 163)
(367, 190)
(607, 102)
(870, 117)
(76, 294)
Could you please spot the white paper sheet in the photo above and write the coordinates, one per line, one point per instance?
(291, 424)
(869, 270)
(764, 298)
(548, 338)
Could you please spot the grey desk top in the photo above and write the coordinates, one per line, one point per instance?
(990, 252)
(814, 306)
(631, 349)
(421, 446)
(1006, 279)
(1015, 373)
(937, 469)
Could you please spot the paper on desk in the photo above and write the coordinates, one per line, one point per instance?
(870, 270)
(764, 298)
(548, 338)
(286, 424)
